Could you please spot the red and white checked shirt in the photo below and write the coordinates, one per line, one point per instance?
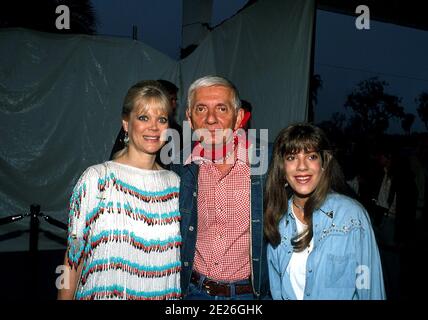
(223, 238)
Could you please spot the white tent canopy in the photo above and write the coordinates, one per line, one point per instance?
(61, 96)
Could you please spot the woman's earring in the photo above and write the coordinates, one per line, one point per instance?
(126, 138)
(286, 185)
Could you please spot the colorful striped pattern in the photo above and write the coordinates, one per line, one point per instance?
(76, 199)
(124, 228)
(119, 292)
(146, 196)
(130, 267)
(137, 242)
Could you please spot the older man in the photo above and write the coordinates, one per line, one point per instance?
(221, 202)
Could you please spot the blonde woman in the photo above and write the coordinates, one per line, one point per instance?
(124, 236)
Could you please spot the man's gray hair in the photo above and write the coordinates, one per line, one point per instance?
(209, 81)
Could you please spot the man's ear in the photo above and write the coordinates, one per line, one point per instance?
(189, 118)
(239, 118)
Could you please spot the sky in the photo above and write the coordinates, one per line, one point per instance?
(158, 21)
(344, 55)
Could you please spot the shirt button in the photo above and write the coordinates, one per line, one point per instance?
(310, 270)
(194, 194)
(186, 264)
(191, 228)
(308, 294)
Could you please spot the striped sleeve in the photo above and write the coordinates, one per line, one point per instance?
(84, 201)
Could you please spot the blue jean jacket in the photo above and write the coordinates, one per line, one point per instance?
(344, 263)
(189, 221)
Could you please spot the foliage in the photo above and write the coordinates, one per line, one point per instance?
(316, 85)
(373, 107)
(422, 100)
(407, 122)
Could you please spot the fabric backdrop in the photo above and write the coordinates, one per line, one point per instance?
(61, 96)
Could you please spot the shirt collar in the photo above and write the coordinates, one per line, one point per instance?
(241, 150)
(325, 208)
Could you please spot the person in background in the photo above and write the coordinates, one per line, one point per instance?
(124, 237)
(248, 109)
(321, 242)
(172, 91)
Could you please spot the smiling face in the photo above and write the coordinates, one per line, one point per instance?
(303, 172)
(213, 110)
(146, 125)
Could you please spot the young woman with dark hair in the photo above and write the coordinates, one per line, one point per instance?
(321, 243)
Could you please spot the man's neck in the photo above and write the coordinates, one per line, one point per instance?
(226, 165)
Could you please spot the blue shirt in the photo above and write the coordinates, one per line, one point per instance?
(344, 263)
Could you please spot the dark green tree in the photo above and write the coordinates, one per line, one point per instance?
(373, 107)
(422, 101)
(314, 86)
(334, 128)
(407, 122)
(338, 119)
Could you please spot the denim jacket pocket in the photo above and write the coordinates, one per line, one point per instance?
(340, 272)
(188, 198)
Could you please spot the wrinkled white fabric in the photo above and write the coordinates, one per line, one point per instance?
(61, 97)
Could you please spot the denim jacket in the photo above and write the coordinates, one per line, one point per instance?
(344, 263)
(189, 221)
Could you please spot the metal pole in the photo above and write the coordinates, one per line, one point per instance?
(34, 240)
(134, 32)
(10, 219)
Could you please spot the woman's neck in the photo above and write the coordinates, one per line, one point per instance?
(299, 202)
(138, 160)
(298, 208)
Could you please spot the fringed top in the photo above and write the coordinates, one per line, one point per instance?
(124, 228)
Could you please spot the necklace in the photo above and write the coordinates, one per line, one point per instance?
(298, 206)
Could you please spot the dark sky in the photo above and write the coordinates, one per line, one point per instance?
(344, 55)
(158, 21)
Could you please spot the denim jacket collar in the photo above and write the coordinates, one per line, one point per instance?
(326, 209)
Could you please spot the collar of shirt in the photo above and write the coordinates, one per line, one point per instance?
(240, 147)
(326, 208)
